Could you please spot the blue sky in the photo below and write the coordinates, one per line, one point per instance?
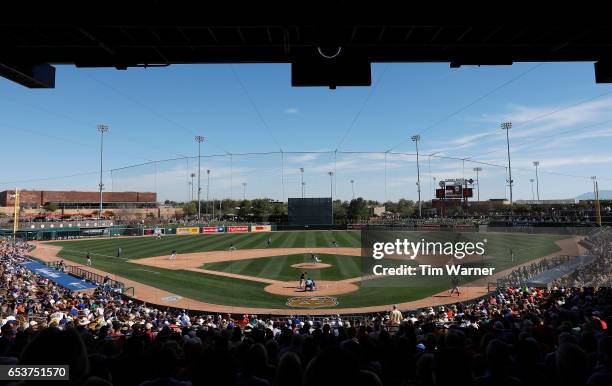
(560, 117)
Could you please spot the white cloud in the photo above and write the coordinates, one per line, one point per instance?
(291, 110)
(567, 160)
(570, 140)
(306, 157)
(470, 139)
(554, 119)
(559, 117)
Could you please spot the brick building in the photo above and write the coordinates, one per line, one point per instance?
(79, 200)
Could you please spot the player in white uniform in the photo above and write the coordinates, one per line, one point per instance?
(314, 258)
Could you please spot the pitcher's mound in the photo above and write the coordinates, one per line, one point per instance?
(290, 288)
(311, 265)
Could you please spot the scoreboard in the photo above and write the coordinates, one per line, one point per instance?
(454, 189)
(453, 192)
(310, 211)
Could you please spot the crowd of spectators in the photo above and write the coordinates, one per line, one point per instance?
(551, 214)
(599, 272)
(520, 275)
(517, 336)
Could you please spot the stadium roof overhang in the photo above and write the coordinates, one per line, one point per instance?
(332, 49)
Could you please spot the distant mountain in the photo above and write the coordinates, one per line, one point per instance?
(603, 195)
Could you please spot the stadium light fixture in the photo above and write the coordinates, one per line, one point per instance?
(536, 164)
(244, 184)
(416, 139)
(507, 126)
(477, 170)
(102, 129)
(353, 188)
(199, 139)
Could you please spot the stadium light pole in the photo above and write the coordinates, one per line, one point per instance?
(507, 126)
(331, 192)
(532, 194)
(434, 179)
(244, 184)
(536, 164)
(477, 170)
(207, 189)
(353, 188)
(302, 173)
(199, 139)
(192, 175)
(416, 139)
(434, 185)
(102, 129)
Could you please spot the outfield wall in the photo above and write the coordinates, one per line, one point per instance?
(101, 230)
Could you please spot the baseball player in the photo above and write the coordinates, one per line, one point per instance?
(310, 285)
(455, 282)
(314, 258)
(88, 260)
(173, 255)
(302, 278)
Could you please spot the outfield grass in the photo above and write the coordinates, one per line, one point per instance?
(280, 267)
(235, 292)
(140, 247)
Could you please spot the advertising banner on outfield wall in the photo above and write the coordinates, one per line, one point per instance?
(261, 228)
(188, 231)
(218, 229)
(238, 229)
(429, 227)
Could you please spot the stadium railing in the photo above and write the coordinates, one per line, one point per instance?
(81, 273)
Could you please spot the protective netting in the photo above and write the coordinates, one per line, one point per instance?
(381, 176)
(378, 176)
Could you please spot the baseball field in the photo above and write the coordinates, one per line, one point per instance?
(209, 274)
